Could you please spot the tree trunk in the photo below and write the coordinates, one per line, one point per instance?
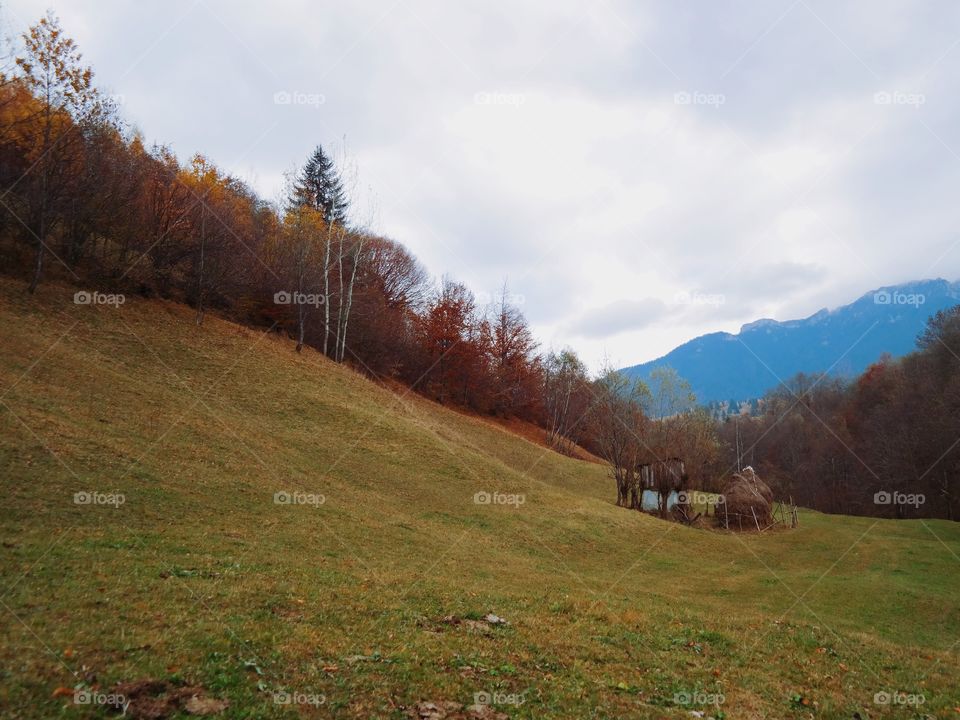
(42, 219)
(300, 325)
(298, 299)
(326, 286)
(336, 338)
(203, 242)
(37, 267)
(346, 315)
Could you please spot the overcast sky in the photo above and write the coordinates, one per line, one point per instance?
(640, 173)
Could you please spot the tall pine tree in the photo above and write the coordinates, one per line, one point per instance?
(319, 186)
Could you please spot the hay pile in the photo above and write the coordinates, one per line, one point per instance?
(748, 501)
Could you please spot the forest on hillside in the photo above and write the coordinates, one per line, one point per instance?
(86, 200)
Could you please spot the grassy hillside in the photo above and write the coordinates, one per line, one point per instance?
(200, 578)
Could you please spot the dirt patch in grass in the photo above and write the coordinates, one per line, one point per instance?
(482, 624)
(158, 699)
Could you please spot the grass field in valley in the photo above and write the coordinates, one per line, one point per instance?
(366, 596)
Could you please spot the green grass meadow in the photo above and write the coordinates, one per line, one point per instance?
(338, 598)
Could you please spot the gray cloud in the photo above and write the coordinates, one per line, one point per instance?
(620, 316)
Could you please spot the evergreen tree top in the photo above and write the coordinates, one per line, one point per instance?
(319, 185)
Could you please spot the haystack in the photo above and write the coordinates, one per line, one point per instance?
(748, 502)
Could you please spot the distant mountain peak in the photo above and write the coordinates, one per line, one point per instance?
(842, 341)
(758, 325)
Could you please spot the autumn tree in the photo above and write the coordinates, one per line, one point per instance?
(302, 233)
(50, 68)
(214, 204)
(168, 204)
(566, 398)
(391, 293)
(619, 428)
(319, 186)
(668, 404)
(516, 370)
(447, 332)
(350, 257)
(701, 449)
(101, 213)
